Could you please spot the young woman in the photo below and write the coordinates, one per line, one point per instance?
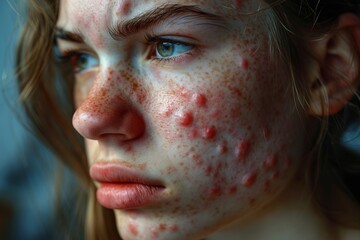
(201, 119)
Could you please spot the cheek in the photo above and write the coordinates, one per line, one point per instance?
(189, 116)
(225, 139)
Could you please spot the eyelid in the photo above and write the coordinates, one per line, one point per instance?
(179, 60)
(63, 56)
(151, 39)
(68, 47)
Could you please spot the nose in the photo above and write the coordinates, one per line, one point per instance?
(103, 114)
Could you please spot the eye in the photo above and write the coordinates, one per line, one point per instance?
(169, 49)
(79, 61)
(172, 49)
(82, 61)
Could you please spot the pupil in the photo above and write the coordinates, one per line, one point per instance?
(82, 60)
(166, 49)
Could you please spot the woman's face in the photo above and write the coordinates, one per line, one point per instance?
(189, 122)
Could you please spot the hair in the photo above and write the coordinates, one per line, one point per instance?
(37, 79)
(41, 80)
(333, 164)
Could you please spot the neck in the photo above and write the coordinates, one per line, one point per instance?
(292, 215)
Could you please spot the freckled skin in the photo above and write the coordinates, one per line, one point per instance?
(197, 125)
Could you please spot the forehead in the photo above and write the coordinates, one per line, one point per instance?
(107, 11)
(97, 21)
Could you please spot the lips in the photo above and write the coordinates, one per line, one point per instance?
(123, 188)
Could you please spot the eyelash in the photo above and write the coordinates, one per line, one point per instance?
(66, 57)
(151, 41)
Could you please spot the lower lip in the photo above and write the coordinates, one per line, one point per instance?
(127, 195)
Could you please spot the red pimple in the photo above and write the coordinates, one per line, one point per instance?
(222, 148)
(133, 229)
(249, 179)
(215, 191)
(174, 228)
(245, 64)
(185, 119)
(209, 133)
(242, 149)
(237, 91)
(208, 170)
(232, 190)
(199, 99)
(238, 3)
(162, 226)
(270, 162)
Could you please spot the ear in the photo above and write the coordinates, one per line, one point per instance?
(334, 73)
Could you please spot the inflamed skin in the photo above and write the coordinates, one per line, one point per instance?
(188, 120)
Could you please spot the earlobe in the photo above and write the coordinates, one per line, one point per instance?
(336, 79)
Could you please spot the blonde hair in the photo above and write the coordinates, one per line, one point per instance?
(39, 83)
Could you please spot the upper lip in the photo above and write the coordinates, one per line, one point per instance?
(114, 172)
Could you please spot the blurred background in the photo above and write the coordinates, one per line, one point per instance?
(27, 168)
(25, 165)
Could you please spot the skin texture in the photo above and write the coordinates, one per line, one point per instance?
(217, 125)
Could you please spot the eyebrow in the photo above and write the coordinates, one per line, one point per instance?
(146, 20)
(159, 14)
(68, 36)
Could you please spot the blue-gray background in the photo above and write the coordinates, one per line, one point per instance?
(26, 167)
